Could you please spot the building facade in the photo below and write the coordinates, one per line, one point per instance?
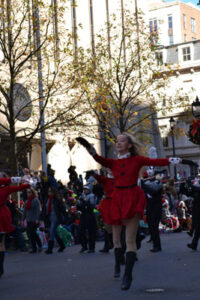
(185, 75)
(175, 22)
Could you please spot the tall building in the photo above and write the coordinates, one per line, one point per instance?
(184, 59)
(175, 22)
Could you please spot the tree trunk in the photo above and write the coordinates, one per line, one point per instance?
(13, 154)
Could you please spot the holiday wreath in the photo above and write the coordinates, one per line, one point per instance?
(194, 132)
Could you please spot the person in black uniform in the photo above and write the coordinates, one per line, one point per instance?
(195, 215)
(86, 204)
(153, 190)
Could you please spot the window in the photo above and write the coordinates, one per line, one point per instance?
(184, 21)
(159, 58)
(186, 54)
(165, 141)
(193, 25)
(185, 37)
(164, 102)
(170, 30)
(170, 22)
(164, 134)
(171, 39)
(153, 27)
(193, 39)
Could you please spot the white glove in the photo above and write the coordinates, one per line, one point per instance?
(16, 179)
(175, 160)
(32, 183)
(150, 172)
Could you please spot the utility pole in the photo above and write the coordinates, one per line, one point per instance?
(40, 82)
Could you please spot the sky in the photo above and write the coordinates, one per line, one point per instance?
(186, 1)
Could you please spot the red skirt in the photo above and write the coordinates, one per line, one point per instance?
(105, 210)
(5, 220)
(126, 203)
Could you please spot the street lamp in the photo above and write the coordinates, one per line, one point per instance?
(172, 125)
(196, 107)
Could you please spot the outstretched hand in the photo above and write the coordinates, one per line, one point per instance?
(87, 145)
(83, 142)
(189, 162)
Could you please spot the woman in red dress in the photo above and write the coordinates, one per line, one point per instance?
(5, 214)
(128, 200)
(108, 186)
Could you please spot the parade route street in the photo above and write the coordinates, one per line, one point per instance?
(74, 276)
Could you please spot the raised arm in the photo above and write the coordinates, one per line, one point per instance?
(106, 162)
(91, 150)
(18, 188)
(146, 161)
(10, 180)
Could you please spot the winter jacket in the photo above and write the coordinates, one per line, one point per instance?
(32, 214)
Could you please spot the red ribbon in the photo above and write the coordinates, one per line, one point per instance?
(195, 126)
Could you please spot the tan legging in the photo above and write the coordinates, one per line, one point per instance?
(131, 233)
(2, 243)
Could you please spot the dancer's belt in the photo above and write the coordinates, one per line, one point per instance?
(126, 187)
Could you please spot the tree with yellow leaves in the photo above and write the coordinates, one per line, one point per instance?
(122, 81)
(35, 46)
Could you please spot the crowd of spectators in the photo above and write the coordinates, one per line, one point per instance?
(78, 203)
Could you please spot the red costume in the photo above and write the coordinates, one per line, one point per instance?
(128, 199)
(5, 214)
(108, 186)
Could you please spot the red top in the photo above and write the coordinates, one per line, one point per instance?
(7, 190)
(108, 184)
(126, 170)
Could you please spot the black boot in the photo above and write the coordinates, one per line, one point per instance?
(61, 244)
(118, 257)
(156, 240)
(2, 255)
(192, 246)
(127, 279)
(50, 247)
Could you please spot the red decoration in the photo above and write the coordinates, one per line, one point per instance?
(194, 132)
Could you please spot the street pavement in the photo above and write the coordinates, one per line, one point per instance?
(73, 276)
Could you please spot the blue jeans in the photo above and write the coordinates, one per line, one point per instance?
(53, 227)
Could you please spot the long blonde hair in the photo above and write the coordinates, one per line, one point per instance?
(136, 148)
